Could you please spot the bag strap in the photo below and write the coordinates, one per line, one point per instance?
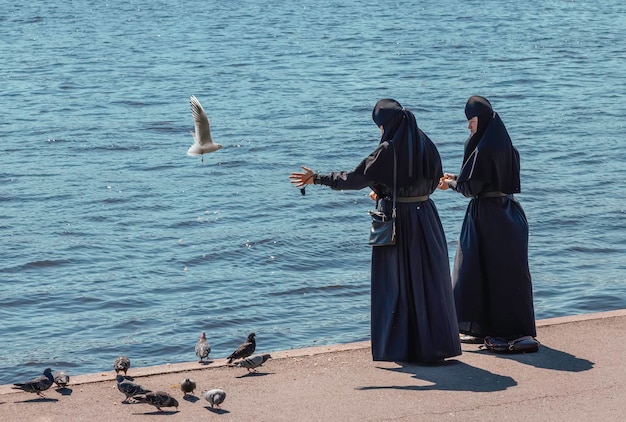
(395, 174)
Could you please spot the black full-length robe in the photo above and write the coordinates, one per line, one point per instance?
(412, 308)
(413, 318)
(491, 277)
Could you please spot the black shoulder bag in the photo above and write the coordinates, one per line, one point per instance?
(383, 232)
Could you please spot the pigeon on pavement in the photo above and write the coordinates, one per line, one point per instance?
(245, 350)
(37, 385)
(215, 397)
(252, 362)
(61, 379)
(129, 388)
(203, 348)
(121, 364)
(158, 399)
(202, 136)
(187, 386)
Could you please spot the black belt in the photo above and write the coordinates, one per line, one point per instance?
(491, 195)
(412, 198)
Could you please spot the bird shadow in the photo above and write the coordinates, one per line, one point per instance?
(206, 362)
(217, 411)
(158, 413)
(451, 375)
(254, 374)
(64, 391)
(545, 358)
(39, 400)
(190, 398)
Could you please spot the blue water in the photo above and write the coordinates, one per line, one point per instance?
(116, 242)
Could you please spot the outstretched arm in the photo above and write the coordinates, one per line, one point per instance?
(337, 180)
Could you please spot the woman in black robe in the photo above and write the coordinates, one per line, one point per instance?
(492, 284)
(412, 307)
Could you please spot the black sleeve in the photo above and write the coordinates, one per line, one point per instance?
(343, 180)
(469, 188)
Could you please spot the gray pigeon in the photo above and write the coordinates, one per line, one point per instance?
(252, 362)
(37, 385)
(121, 364)
(203, 348)
(158, 399)
(245, 350)
(61, 379)
(187, 386)
(215, 397)
(129, 388)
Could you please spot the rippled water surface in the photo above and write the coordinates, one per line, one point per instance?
(116, 242)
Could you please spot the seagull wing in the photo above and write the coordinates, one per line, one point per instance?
(203, 130)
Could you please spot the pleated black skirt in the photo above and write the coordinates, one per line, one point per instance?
(413, 315)
(491, 278)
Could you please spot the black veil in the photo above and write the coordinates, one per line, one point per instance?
(417, 157)
(489, 154)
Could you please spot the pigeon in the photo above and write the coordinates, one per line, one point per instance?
(187, 386)
(121, 364)
(158, 399)
(37, 385)
(129, 388)
(253, 362)
(202, 136)
(215, 397)
(203, 348)
(61, 379)
(245, 350)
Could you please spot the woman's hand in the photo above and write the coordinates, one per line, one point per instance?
(301, 179)
(444, 182)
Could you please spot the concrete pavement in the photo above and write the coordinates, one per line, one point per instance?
(577, 375)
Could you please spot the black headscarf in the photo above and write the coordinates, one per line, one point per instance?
(416, 155)
(489, 154)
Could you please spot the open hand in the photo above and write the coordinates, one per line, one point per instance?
(301, 179)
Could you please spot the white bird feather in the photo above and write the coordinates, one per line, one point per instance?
(202, 136)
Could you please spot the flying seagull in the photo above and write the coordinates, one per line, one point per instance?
(202, 136)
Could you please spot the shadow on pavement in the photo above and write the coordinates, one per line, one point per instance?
(453, 375)
(190, 398)
(39, 400)
(546, 358)
(216, 410)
